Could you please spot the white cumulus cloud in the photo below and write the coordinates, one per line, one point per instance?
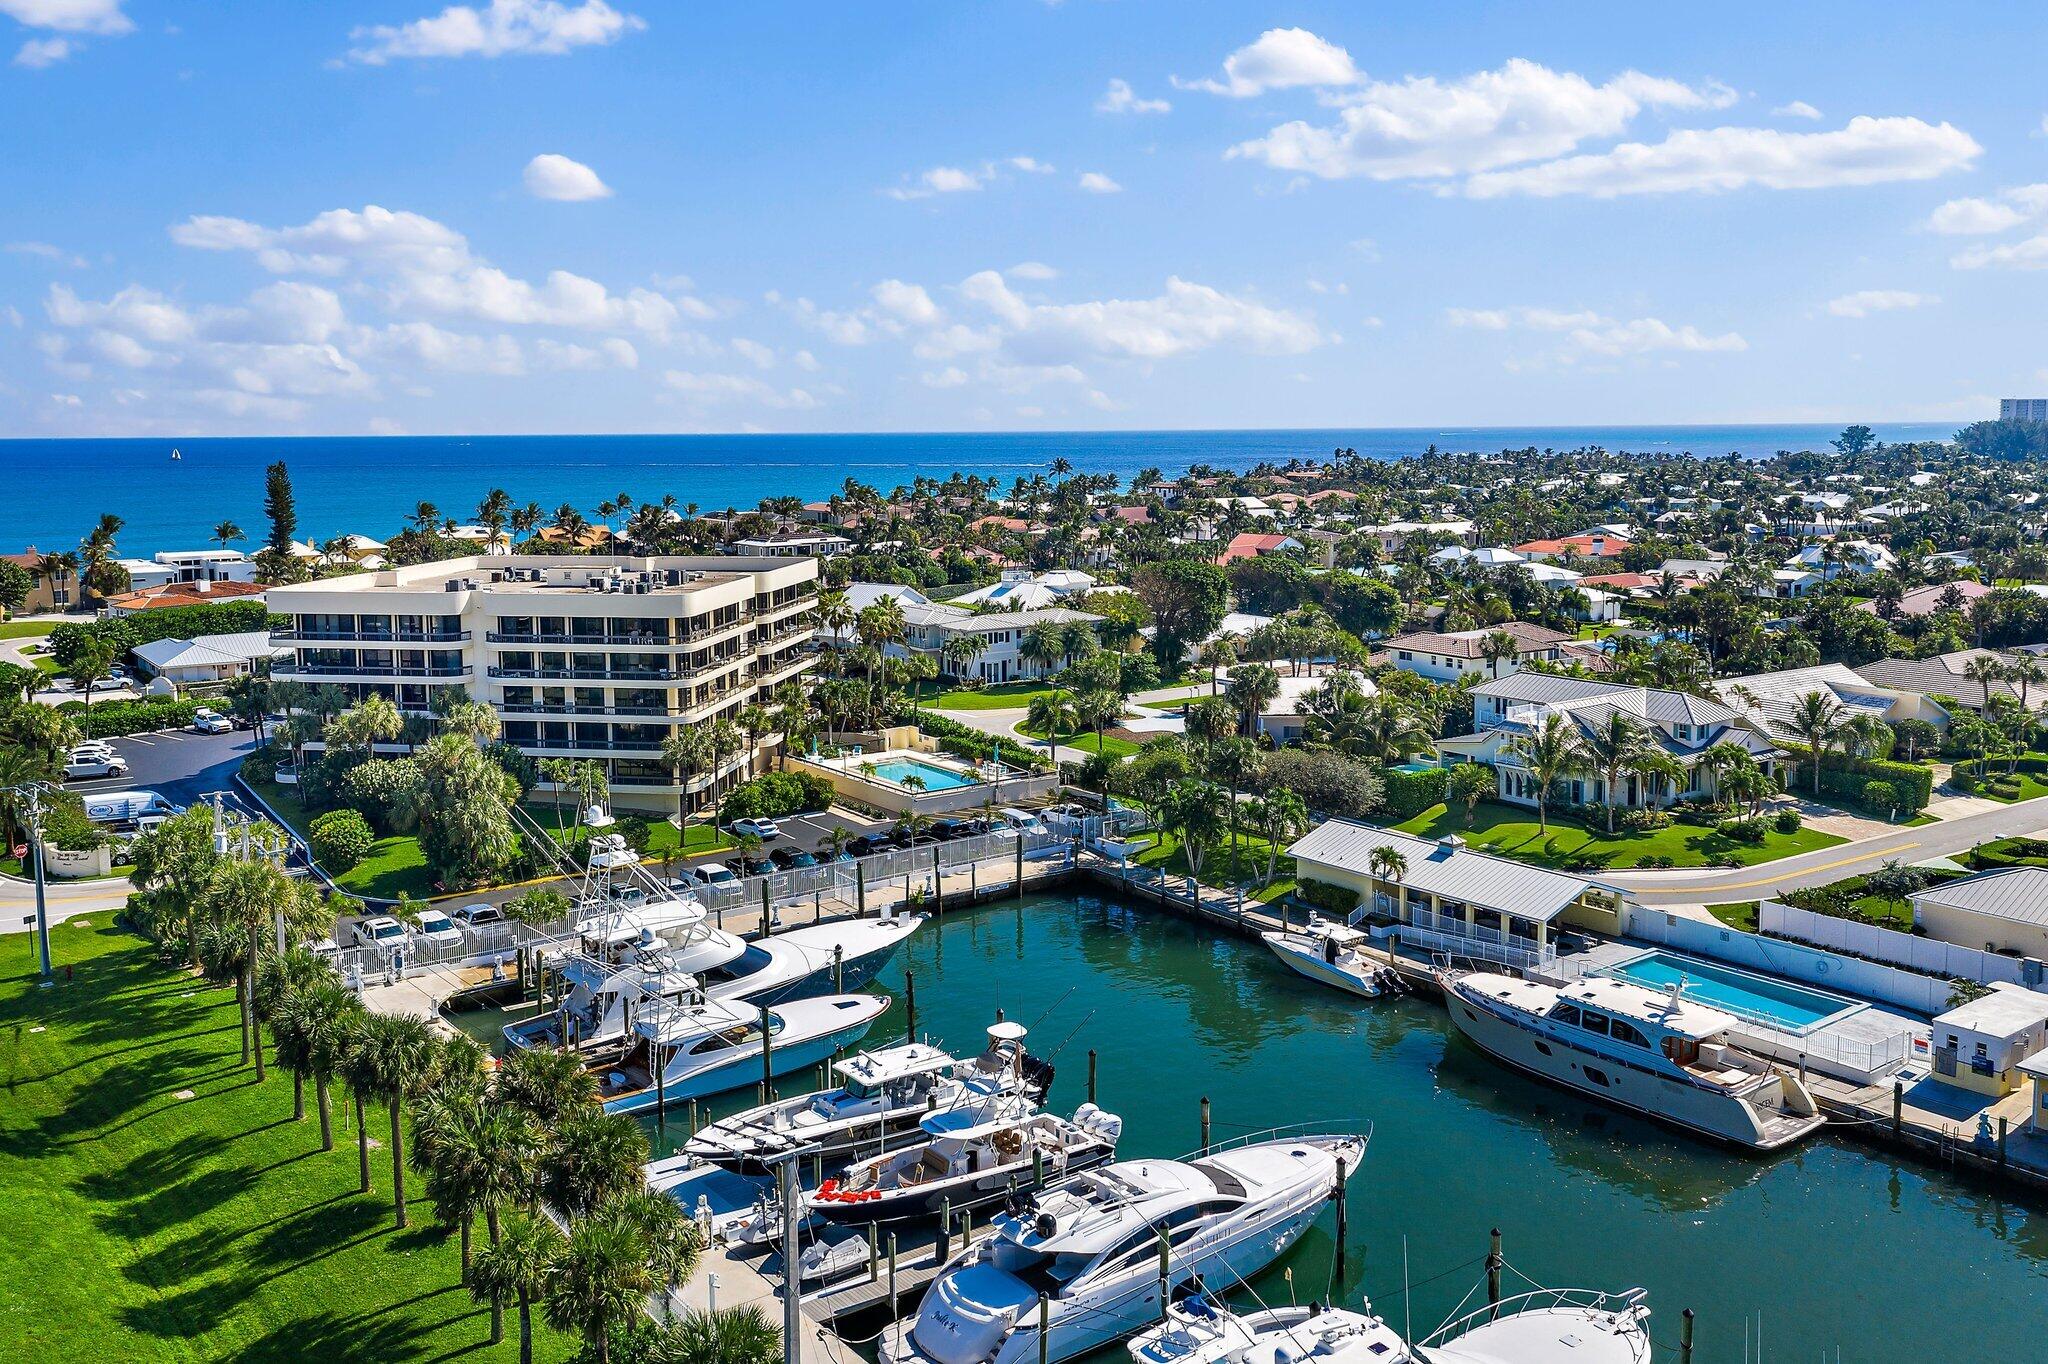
(70, 16)
(1798, 108)
(550, 176)
(1982, 217)
(37, 53)
(1430, 128)
(1864, 302)
(1279, 59)
(504, 27)
(1868, 151)
(1586, 334)
(1120, 98)
(1094, 182)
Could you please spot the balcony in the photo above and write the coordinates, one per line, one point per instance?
(565, 708)
(579, 641)
(287, 669)
(589, 674)
(289, 636)
(544, 745)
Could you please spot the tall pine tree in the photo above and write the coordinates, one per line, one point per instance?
(279, 507)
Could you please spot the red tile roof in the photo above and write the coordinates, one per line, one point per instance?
(181, 594)
(1591, 546)
(1250, 545)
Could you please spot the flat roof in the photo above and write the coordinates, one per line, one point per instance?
(2007, 1010)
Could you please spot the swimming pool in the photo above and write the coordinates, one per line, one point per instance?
(935, 778)
(1413, 767)
(1754, 998)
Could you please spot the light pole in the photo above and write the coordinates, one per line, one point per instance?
(33, 793)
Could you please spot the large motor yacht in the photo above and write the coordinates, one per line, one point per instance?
(1548, 1326)
(882, 1097)
(684, 1051)
(1653, 1053)
(1091, 1246)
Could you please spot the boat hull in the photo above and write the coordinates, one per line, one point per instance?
(1304, 961)
(1720, 1117)
(856, 1141)
(957, 1194)
(806, 971)
(739, 1072)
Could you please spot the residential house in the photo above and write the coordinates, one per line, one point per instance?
(1771, 699)
(1925, 601)
(190, 566)
(1281, 719)
(1392, 536)
(1440, 895)
(1682, 725)
(1490, 556)
(1599, 545)
(1001, 635)
(179, 594)
(46, 593)
(2005, 910)
(1448, 657)
(1022, 590)
(1948, 675)
(1250, 545)
(207, 658)
(793, 544)
(1837, 557)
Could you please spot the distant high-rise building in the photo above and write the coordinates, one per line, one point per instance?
(2023, 409)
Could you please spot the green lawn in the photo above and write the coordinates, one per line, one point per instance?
(26, 629)
(1007, 696)
(14, 866)
(1086, 739)
(1222, 867)
(2031, 787)
(1742, 916)
(662, 836)
(396, 865)
(164, 1206)
(1512, 832)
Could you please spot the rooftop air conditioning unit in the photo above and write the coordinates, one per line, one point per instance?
(451, 586)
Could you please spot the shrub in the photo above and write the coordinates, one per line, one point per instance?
(1741, 830)
(1408, 794)
(1786, 821)
(1913, 783)
(1964, 781)
(1328, 783)
(1880, 795)
(340, 839)
(111, 718)
(1332, 901)
(775, 794)
(385, 791)
(1642, 821)
(964, 741)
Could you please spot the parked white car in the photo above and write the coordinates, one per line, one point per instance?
(108, 684)
(85, 766)
(478, 915)
(437, 929)
(211, 722)
(715, 873)
(380, 931)
(763, 829)
(95, 748)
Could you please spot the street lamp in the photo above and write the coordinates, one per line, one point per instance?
(33, 793)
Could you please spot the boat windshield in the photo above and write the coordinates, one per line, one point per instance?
(745, 964)
(1041, 1273)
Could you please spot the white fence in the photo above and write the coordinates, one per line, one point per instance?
(1945, 959)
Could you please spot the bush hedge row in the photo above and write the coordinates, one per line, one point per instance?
(772, 795)
(1913, 782)
(1408, 794)
(110, 718)
(964, 741)
(122, 633)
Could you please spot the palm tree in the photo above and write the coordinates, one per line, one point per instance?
(1053, 713)
(686, 751)
(1097, 710)
(2022, 673)
(478, 1155)
(959, 652)
(1984, 669)
(593, 1156)
(399, 1057)
(1278, 817)
(1044, 644)
(281, 980)
(1387, 863)
(519, 1266)
(1611, 749)
(226, 533)
(548, 1085)
(1550, 753)
(1816, 721)
(1193, 811)
(323, 1017)
(599, 1277)
(1252, 688)
(723, 737)
(1388, 731)
(1496, 648)
(754, 721)
(731, 1335)
(673, 1244)
(245, 897)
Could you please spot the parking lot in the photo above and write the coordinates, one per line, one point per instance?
(178, 765)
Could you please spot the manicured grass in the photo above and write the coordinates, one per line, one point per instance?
(14, 866)
(1006, 696)
(1512, 832)
(26, 629)
(662, 837)
(1223, 868)
(1113, 746)
(2031, 787)
(164, 1206)
(1742, 916)
(396, 865)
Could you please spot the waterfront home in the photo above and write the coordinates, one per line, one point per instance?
(1022, 590)
(1947, 675)
(190, 566)
(1440, 895)
(2005, 910)
(198, 593)
(207, 658)
(1772, 699)
(1463, 653)
(1683, 725)
(1980, 1045)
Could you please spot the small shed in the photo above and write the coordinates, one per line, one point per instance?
(1981, 1045)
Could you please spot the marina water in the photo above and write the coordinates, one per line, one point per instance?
(1833, 1245)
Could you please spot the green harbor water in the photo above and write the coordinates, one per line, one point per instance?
(1834, 1247)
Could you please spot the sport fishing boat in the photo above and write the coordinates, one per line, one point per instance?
(1652, 1053)
(635, 940)
(1330, 953)
(882, 1097)
(967, 1157)
(1092, 1246)
(1577, 1325)
(677, 1052)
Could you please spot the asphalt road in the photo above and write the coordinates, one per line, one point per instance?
(180, 766)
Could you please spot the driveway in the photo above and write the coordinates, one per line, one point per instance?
(1818, 868)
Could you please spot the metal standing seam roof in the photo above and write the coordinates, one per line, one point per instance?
(1476, 878)
(2016, 894)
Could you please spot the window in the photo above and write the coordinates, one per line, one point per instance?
(1566, 1013)
(1598, 1077)
(1594, 1023)
(1623, 1032)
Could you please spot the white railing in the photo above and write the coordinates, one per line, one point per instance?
(1450, 926)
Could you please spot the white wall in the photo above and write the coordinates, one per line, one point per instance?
(1946, 959)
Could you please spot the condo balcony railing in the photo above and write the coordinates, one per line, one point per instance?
(592, 674)
(286, 668)
(587, 745)
(290, 635)
(569, 708)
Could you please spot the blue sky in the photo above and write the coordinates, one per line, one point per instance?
(999, 214)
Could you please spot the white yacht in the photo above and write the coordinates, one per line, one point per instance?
(969, 1156)
(1092, 1246)
(1653, 1053)
(1549, 1326)
(882, 1097)
(1331, 953)
(684, 1051)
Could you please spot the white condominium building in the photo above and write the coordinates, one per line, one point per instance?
(596, 657)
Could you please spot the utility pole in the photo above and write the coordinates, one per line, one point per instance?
(792, 1259)
(34, 792)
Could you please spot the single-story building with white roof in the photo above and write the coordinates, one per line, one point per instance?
(208, 658)
(1999, 911)
(1980, 1045)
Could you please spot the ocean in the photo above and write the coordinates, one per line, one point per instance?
(56, 489)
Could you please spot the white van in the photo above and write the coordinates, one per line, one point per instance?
(1023, 821)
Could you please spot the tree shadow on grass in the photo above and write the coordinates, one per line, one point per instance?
(106, 1056)
(310, 1235)
(380, 1335)
(179, 1203)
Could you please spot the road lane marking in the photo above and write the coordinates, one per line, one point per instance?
(1773, 880)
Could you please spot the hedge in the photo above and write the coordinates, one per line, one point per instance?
(111, 718)
(964, 741)
(2010, 852)
(339, 840)
(1976, 767)
(772, 795)
(123, 633)
(1408, 794)
(1336, 902)
(1913, 782)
